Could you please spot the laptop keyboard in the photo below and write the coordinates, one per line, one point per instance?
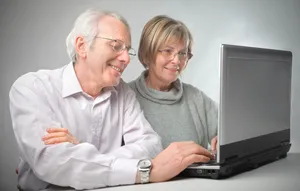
(211, 162)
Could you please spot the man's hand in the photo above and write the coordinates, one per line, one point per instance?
(213, 143)
(59, 135)
(175, 158)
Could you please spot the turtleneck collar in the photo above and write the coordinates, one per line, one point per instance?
(170, 97)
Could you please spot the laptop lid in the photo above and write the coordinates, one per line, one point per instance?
(255, 100)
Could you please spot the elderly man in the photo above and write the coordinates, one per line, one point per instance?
(89, 98)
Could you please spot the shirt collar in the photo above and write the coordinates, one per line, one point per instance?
(70, 82)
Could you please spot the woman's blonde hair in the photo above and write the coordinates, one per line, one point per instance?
(159, 31)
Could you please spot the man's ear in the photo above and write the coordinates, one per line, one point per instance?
(81, 47)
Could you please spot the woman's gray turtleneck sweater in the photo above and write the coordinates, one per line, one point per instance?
(182, 114)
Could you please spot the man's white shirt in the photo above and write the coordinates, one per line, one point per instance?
(54, 98)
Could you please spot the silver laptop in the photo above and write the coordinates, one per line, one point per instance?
(254, 111)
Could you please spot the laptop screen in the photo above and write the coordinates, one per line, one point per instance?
(255, 93)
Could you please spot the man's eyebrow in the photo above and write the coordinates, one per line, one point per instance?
(128, 46)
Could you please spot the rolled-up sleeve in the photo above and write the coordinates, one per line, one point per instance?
(80, 166)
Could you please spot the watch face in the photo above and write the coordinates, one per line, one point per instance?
(145, 163)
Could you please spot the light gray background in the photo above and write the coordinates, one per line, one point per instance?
(32, 37)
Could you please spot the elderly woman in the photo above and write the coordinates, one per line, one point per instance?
(177, 111)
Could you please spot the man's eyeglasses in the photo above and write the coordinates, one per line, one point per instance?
(119, 46)
(170, 54)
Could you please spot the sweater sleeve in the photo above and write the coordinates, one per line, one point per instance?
(208, 110)
(211, 116)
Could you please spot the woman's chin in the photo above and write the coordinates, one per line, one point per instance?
(172, 78)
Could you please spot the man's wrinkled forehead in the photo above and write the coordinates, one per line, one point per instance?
(114, 28)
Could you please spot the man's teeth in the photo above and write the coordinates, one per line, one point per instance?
(116, 68)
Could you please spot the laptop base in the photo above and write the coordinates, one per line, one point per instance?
(240, 165)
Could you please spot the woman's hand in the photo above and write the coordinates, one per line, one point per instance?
(214, 143)
(59, 135)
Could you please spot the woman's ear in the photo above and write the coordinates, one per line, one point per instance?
(146, 66)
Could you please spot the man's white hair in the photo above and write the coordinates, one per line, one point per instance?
(86, 25)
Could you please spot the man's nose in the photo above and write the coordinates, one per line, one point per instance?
(124, 57)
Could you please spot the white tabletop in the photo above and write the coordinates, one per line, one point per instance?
(282, 175)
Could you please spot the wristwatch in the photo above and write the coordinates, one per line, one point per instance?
(144, 167)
